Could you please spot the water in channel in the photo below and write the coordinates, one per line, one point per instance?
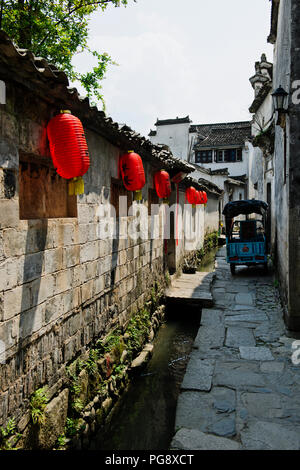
(145, 416)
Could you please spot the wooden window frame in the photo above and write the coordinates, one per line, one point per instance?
(43, 194)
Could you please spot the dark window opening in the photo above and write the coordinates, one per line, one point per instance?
(43, 193)
(229, 155)
(203, 156)
(219, 155)
(9, 183)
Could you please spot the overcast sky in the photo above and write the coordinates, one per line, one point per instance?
(179, 58)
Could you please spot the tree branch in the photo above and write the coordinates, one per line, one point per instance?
(82, 5)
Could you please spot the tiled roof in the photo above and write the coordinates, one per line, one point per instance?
(164, 122)
(218, 135)
(152, 133)
(51, 84)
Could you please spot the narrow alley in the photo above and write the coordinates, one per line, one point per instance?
(241, 389)
(150, 248)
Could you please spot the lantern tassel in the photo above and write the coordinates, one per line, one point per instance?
(138, 195)
(76, 186)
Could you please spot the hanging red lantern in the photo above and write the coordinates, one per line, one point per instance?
(204, 197)
(162, 184)
(191, 195)
(68, 149)
(198, 197)
(132, 172)
(201, 197)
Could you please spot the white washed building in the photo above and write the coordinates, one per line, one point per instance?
(219, 152)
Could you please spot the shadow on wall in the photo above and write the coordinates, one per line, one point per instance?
(115, 254)
(30, 319)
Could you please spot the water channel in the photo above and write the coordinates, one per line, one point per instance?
(145, 416)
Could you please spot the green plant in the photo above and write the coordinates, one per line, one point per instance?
(6, 432)
(114, 343)
(73, 426)
(118, 370)
(61, 441)
(137, 330)
(109, 343)
(91, 363)
(77, 404)
(74, 385)
(38, 402)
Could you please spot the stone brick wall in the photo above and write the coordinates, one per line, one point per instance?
(294, 198)
(282, 57)
(61, 287)
(287, 168)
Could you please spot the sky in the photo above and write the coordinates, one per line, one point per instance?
(177, 58)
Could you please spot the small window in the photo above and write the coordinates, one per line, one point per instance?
(43, 193)
(203, 156)
(117, 189)
(230, 155)
(219, 155)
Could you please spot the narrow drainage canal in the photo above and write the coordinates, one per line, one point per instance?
(144, 419)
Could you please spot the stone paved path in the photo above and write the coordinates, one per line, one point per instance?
(241, 389)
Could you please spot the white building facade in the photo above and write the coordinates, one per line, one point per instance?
(219, 152)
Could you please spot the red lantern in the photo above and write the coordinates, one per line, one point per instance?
(68, 149)
(132, 172)
(162, 184)
(191, 195)
(198, 197)
(201, 197)
(204, 197)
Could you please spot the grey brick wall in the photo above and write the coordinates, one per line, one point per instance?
(57, 293)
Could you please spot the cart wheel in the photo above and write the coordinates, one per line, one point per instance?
(232, 268)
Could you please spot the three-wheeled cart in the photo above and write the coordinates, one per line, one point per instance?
(246, 242)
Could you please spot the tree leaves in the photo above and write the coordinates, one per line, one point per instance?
(57, 30)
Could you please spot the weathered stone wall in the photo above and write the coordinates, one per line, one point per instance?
(287, 166)
(61, 286)
(281, 76)
(294, 176)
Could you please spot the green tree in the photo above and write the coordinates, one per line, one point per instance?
(57, 30)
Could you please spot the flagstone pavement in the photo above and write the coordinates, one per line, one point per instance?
(241, 389)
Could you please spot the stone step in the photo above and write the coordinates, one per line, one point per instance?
(192, 288)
